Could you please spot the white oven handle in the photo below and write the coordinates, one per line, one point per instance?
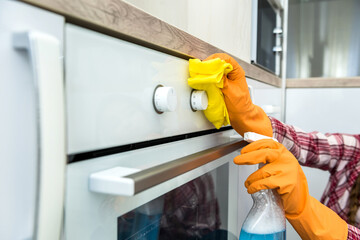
(129, 181)
(46, 59)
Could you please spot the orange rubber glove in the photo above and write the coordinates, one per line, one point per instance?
(282, 172)
(244, 115)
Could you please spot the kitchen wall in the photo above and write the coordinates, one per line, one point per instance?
(225, 24)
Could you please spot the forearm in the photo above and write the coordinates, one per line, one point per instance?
(318, 222)
(324, 151)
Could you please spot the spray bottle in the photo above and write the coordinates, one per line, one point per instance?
(266, 219)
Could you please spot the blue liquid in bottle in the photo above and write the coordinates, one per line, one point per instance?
(253, 236)
(266, 219)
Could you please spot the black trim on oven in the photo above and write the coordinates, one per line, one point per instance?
(124, 148)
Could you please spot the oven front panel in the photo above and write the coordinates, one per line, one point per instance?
(110, 85)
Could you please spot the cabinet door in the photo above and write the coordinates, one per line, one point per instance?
(22, 169)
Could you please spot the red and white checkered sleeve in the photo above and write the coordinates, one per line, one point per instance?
(353, 233)
(325, 151)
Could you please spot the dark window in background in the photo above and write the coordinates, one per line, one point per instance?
(265, 56)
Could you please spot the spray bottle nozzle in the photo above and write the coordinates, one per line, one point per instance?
(252, 137)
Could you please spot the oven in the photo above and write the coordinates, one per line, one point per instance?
(134, 172)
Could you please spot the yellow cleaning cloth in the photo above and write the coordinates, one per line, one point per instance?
(209, 76)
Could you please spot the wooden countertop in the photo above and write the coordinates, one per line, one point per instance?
(122, 20)
(345, 82)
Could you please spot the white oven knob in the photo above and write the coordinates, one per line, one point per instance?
(199, 100)
(165, 99)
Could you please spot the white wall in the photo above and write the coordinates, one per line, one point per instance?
(327, 110)
(225, 24)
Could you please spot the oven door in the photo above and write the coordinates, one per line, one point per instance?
(188, 189)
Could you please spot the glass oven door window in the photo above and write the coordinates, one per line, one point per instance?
(195, 210)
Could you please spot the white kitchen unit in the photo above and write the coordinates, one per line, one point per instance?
(32, 126)
(324, 109)
(266, 96)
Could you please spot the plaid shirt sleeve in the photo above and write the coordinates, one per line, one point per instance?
(337, 153)
(331, 152)
(353, 233)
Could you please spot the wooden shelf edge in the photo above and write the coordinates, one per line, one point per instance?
(345, 82)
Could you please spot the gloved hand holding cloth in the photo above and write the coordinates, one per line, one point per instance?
(221, 72)
(282, 172)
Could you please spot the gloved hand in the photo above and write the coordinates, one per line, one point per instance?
(244, 115)
(282, 172)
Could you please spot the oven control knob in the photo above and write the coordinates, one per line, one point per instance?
(198, 100)
(165, 99)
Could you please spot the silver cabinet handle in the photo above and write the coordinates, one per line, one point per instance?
(278, 30)
(46, 59)
(277, 49)
(130, 181)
